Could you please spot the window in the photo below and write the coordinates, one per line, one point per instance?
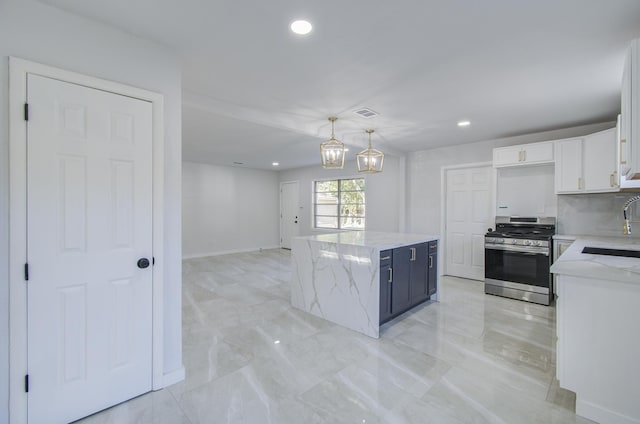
(339, 204)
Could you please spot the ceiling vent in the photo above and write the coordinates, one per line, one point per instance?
(366, 113)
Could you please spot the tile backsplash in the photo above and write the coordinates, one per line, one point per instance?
(596, 214)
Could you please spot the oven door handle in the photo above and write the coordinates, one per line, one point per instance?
(521, 249)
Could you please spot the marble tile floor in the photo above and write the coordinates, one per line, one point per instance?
(251, 358)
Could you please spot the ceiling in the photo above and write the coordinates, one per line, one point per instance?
(255, 93)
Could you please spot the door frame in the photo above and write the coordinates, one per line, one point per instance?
(281, 184)
(443, 202)
(18, 70)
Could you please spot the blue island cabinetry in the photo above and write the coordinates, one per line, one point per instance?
(408, 277)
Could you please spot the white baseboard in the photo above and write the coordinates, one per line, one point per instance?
(228, 252)
(173, 377)
(601, 414)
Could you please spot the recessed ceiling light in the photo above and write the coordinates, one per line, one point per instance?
(301, 27)
(275, 163)
(464, 123)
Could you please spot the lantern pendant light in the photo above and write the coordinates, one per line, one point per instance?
(332, 150)
(370, 160)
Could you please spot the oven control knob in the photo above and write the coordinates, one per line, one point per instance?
(500, 240)
(527, 242)
(538, 243)
(514, 241)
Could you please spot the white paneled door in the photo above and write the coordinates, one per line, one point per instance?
(289, 213)
(89, 220)
(469, 212)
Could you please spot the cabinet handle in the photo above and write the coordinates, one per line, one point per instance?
(524, 155)
(622, 162)
(430, 261)
(385, 258)
(520, 156)
(616, 181)
(413, 253)
(390, 279)
(579, 183)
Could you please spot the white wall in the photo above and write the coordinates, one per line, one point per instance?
(227, 209)
(40, 33)
(526, 191)
(385, 193)
(423, 171)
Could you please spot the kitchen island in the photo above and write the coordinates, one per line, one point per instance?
(359, 279)
(598, 329)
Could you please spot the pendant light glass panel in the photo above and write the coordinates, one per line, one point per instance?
(332, 151)
(370, 160)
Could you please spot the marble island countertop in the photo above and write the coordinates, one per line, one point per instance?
(372, 239)
(337, 276)
(602, 267)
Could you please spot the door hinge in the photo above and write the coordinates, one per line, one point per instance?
(26, 383)
(26, 272)
(26, 111)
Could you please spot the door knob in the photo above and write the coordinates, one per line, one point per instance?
(143, 263)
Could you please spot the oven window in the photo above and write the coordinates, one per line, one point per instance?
(517, 267)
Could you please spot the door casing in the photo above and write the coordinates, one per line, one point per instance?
(18, 367)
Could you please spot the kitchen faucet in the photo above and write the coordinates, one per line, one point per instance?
(627, 224)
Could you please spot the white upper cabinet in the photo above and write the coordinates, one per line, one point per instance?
(630, 114)
(601, 162)
(568, 171)
(588, 164)
(524, 154)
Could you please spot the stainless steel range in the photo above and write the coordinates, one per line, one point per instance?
(518, 256)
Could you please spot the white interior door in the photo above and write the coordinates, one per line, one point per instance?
(469, 194)
(289, 213)
(89, 220)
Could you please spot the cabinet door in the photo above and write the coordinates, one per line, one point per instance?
(538, 153)
(633, 112)
(432, 268)
(418, 274)
(600, 162)
(505, 156)
(400, 287)
(625, 111)
(568, 170)
(386, 281)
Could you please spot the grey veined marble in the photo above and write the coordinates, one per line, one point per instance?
(252, 358)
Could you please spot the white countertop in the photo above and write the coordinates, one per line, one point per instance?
(375, 239)
(565, 237)
(602, 267)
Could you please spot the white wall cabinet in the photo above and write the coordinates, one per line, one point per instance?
(524, 154)
(568, 174)
(588, 164)
(630, 114)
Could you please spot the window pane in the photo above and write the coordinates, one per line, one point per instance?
(331, 210)
(327, 198)
(356, 197)
(352, 223)
(327, 185)
(326, 221)
(352, 210)
(351, 185)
